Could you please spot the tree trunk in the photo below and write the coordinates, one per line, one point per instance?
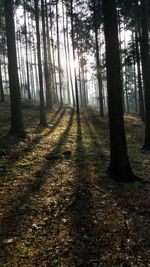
(55, 91)
(2, 96)
(50, 67)
(42, 104)
(141, 101)
(138, 59)
(58, 53)
(134, 69)
(15, 96)
(69, 63)
(99, 76)
(146, 72)
(121, 55)
(119, 166)
(46, 71)
(26, 48)
(66, 55)
(72, 36)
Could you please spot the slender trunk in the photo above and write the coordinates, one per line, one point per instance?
(121, 55)
(72, 35)
(69, 64)
(126, 78)
(46, 71)
(126, 91)
(2, 96)
(134, 70)
(53, 59)
(138, 59)
(42, 104)
(50, 67)
(32, 78)
(58, 53)
(35, 64)
(20, 62)
(27, 60)
(66, 55)
(141, 101)
(99, 76)
(80, 86)
(5, 73)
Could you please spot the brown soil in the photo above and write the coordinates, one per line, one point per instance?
(57, 205)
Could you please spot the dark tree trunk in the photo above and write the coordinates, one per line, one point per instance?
(73, 47)
(46, 71)
(15, 96)
(58, 53)
(42, 104)
(55, 91)
(138, 58)
(119, 166)
(66, 55)
(146, 72)
(125, 79)
(27, 61)
(50, 67)
(69, 63)
(99, 76)
(141, 101)
(2, 96)
(121, 55)
(134, 69)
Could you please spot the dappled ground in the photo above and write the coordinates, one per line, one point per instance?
(57, 205)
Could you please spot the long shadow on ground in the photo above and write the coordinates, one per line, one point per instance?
(12, 159)
(81, 212)
(16, 214)
(132, 198)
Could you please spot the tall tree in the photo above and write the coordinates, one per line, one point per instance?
(15, 96)
(99, 75)
(119, 166)
(26, 48)
(46, 70)
(42, 104)
(146, 71)
(73, 47)
(2, 96)
(138, 57)
(58, 53)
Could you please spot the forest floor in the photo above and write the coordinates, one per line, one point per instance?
(58, 207)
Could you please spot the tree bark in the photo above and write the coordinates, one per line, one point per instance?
(146, 72)
(27, 61)
(46, 70)
(2, 96)
(138, 58)
(69, 62)
(58, 53)
(99, 76)
(72, 36)
(43, 122)
(119, 166)
(66, 55)
(141, 100)
(15, 96)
